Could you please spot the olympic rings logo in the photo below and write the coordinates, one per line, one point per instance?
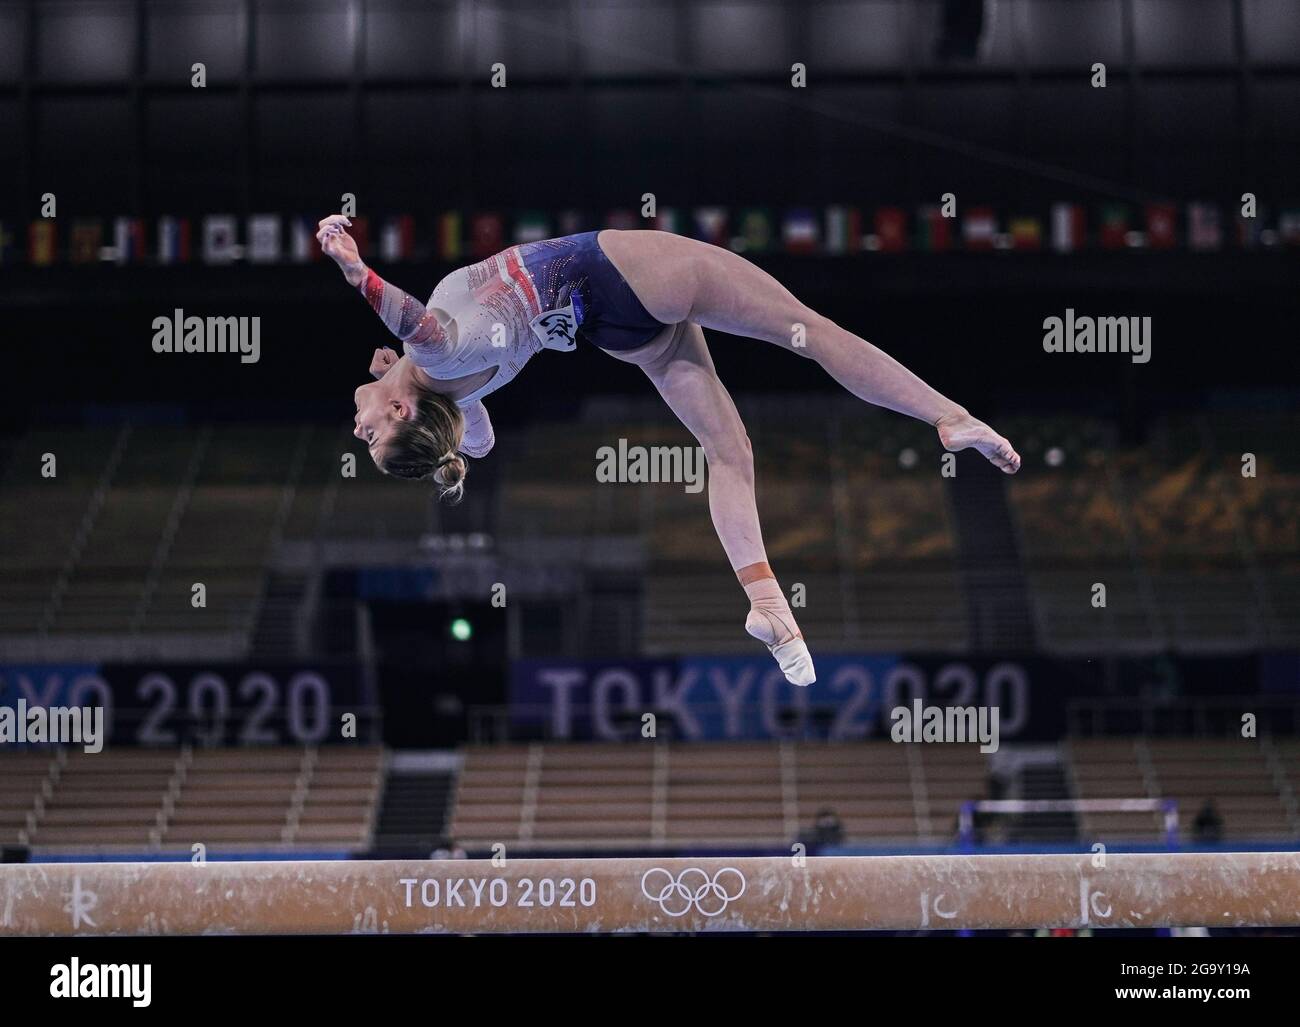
(694, 889)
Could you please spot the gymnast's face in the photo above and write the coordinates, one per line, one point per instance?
(379, 408)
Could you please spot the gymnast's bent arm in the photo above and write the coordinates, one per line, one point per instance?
(406, 317)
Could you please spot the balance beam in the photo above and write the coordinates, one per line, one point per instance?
(850, 893)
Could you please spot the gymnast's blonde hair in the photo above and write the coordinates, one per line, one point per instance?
(426, 446)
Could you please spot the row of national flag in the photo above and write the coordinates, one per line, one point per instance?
(455, 236)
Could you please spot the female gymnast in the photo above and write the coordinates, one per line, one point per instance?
(643, 297)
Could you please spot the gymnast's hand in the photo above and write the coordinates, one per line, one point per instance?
(382, 362)
(336, 243)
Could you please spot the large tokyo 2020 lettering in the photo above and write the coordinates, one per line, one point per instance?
(266, 713)
(866, 702)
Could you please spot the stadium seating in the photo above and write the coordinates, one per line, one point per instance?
(1248, 784)
(679, 796)
(166, 801)
(601, 797)
(103, 557)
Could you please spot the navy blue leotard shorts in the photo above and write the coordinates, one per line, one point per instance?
(573, 268)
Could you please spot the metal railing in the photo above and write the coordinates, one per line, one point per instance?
(1014, 807)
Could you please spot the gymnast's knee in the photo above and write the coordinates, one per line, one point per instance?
(732, 451)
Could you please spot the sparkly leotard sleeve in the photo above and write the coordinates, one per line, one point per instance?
(404, 315)
(479, 437)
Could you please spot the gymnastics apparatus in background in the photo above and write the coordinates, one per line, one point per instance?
(847, 893)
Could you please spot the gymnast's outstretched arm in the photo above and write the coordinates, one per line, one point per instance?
(406, 317)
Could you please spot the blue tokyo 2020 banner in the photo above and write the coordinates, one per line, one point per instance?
(168, 704)
(748, 698)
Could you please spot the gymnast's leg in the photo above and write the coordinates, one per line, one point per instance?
(678, 279)
(679, 365)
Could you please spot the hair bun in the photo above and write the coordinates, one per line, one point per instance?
(451, 470)
(450, 474)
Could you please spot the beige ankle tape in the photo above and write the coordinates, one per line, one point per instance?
(765, 591)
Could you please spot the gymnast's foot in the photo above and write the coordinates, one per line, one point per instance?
(961, 431)
(772, 623)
